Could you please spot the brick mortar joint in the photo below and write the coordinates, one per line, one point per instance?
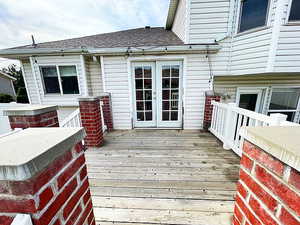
(278, 200)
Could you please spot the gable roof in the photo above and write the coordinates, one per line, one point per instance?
(7, 76)
(151, 36)
(171, 13)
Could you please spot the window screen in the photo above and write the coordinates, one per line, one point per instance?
(295, 11)
(253, 14)
(69, 80)
(51, 81)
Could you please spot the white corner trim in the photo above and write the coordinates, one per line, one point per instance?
(275, 34)
(86, 88)
(103, 73)
(187, 22)
(35, 80)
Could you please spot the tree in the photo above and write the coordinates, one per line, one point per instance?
(19, 84)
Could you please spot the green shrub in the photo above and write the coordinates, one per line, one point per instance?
(22, 95)
(5, 98)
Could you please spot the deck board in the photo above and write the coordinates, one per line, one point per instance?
(162, 177)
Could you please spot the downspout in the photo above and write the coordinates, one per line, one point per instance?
(84, 75)
(103, 73)
(211, 76)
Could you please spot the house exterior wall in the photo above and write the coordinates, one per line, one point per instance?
(32, 91)
(6, 86)
(179, 25)
(94, 76)
(272, 48)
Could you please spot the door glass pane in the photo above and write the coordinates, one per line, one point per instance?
(165, 71)
(174, 115)
(284, 98)
(170, 93)
(175, 71)
(50, 78)
(166, 83)
(143, 85)
(248, 101)
(138, 72)
(166, 115)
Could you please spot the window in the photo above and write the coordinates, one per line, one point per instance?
(253, 14)
(295, 11)
(285, 101)
(60, 79)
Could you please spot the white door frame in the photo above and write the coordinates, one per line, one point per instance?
(155, 59)
(160, 122)
(251, 90)
(153, 122)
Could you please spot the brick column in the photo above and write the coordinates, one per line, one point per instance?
(91, 121)
(268, 190)
(209, 97)
(107, 111)
(32, 116)
(46, 177)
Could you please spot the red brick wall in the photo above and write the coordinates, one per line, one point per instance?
(91, 120)
(59, 194)
(268, 191)
(107, 112)
(208, 110)
(48, 119)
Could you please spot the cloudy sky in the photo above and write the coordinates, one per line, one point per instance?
(50, 20)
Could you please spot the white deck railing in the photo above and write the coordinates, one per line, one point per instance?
(72, 120)
(227, 120)
(104, 127)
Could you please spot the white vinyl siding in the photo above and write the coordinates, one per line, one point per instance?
(250, 52)
(208, 20)
(56, 99)
(116, 82)
(94, 77)
(196, 83)
(179, 25)
(288, 51)
(31, 87)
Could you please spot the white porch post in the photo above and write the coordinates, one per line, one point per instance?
(229, 127)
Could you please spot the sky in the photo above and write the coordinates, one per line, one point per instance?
(50, 20)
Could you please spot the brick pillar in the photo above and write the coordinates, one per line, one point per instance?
(32, 116)
(107, 111)
(209, 97)
(268, 190)
(49, 182)
(91, 121)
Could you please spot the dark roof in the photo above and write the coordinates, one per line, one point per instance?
(154, 36)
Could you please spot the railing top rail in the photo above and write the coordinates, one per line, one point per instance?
(245, 112)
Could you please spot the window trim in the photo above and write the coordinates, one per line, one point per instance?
(239, 16)
(287, 21)
(59, 79)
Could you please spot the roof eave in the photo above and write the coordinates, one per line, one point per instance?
(19, 53)
(171, 13)
(7, 76)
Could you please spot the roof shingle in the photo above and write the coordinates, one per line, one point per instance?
(154, 36)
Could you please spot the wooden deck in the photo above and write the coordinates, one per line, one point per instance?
(147, 177)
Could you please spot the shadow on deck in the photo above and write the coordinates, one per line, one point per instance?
(162, 177)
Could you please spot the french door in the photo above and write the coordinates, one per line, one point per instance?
(157, 94)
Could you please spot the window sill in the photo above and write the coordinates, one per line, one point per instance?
(292, 23)
(251, 31)
(59, 95)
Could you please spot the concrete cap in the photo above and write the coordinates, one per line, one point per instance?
(281, 142)
(29, 110)
(25, 153)
(89, 98)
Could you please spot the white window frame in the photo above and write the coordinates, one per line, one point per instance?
(297, 110)
(287, 21)
(239, 16)
(59, 79)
